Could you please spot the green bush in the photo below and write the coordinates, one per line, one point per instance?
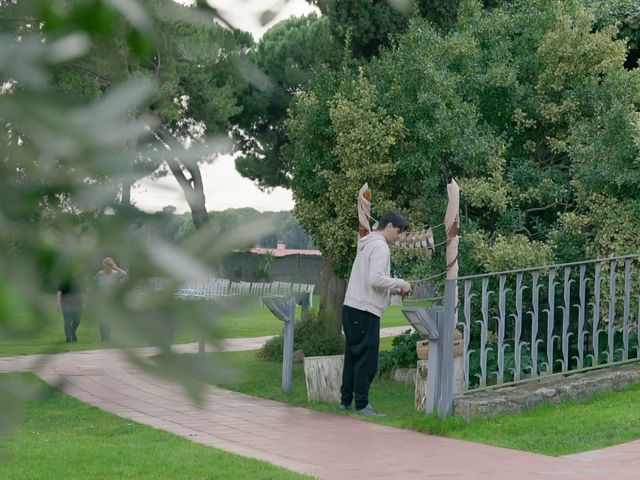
(403, 354)
(311, 335)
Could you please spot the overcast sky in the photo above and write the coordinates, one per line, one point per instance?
(224, 187)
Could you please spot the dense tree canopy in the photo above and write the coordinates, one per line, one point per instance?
(626, 14)
(371, 25)
(361, 29)
(527, 106)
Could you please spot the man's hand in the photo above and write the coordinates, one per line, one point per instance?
(405, 289)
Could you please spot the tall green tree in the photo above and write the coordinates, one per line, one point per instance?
(196, 65)
(287, 53)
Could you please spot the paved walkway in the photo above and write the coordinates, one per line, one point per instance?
(320, 444)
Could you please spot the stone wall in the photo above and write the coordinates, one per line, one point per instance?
(551, 389)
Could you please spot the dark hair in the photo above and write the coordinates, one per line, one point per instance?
(394, 218)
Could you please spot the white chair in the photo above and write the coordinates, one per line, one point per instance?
(309, 289)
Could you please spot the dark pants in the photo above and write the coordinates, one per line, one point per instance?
(362, 333)
(105, 332)
(71, 308)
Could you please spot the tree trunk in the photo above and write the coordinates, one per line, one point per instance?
(192, 186)
(199, 214)
(130, 154)
(332, 293)
(193, 189)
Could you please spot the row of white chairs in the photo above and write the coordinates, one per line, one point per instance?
(213, 288)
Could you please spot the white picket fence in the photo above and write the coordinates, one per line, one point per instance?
(216, 288)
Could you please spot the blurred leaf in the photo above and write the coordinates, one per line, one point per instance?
(254, 75)
(401, 6)
(141, 44)
(68, 47)
(267, 16)
(134, 13)
(177, 263)
(23, 62)
(76, 131)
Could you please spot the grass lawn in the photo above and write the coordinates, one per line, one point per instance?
(50, 338)
(61, 438)
(253, 322)
(258, 322)
(393, 317)
(604, 420)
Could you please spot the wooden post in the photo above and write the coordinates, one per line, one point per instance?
(287, 351)
(434, 365)
(364, 211)
(452, 226)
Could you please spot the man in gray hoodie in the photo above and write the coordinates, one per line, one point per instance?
(367, 297)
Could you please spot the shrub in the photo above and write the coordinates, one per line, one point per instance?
(403, 354)
(311, 335)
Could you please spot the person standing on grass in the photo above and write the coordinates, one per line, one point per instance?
(69, 300)
(370, 285)
(107, 279)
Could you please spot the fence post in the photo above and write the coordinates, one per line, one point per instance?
(434, 365)
(452, 226)
(284, 308)
(448, 325)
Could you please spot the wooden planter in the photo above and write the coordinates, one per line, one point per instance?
(422, 347)
(324, 377)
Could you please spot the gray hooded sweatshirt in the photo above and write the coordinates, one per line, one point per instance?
(370, 282)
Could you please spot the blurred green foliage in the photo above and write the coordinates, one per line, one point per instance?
(81, 80)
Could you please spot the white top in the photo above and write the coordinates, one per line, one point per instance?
(107, 281)
(370, 282)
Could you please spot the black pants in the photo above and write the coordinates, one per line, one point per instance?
(71, 308)
(362, 332)
(105, 332)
